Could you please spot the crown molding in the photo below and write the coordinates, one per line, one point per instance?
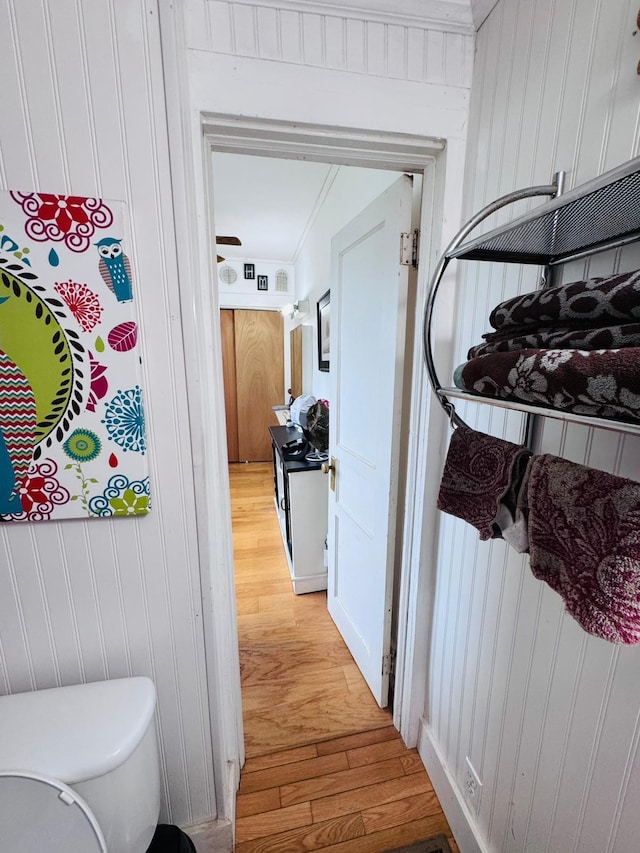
(445, 15)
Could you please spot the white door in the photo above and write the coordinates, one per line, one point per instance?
(367, 337)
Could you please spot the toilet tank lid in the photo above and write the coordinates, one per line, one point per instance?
(78, 732)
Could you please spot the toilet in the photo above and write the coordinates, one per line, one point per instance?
(79, 768)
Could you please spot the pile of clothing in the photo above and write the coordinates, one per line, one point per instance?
(580, 526)
(575, 347)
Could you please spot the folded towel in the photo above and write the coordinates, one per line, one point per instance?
(584, 541)
(481, 479)
(579, 337)
(600, 383)
(595, 301)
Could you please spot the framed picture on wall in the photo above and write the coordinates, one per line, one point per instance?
(249, 271)
(263, 282)
(324, 318)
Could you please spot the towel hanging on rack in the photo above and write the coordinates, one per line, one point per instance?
(481, 481)
(584, 541)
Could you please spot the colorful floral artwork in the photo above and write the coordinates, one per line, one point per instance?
(71, 408)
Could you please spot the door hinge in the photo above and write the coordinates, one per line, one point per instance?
(389, 664)
(409, 243)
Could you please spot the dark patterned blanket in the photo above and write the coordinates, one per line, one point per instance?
(584, 541)
(594, 302)
(590, 338)
(602, 383)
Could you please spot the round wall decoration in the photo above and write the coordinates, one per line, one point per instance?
(227, 274)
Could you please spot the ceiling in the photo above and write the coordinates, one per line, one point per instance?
(269, 203)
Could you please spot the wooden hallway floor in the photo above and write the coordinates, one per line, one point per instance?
(326, 770)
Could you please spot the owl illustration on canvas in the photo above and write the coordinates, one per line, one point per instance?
(115, 268)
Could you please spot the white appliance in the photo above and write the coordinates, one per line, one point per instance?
(299, 408)
(79, 768)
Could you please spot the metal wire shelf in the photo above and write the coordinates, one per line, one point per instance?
(597, 215)
(601, 214)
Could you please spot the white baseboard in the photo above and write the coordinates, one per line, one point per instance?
(461, 820)
(214, 836)
(309, 583)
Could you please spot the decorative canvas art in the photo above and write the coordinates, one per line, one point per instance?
(72, 439)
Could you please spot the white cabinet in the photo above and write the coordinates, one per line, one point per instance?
(301, 498)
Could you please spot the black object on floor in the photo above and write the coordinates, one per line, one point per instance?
(170, 839)
(438, 844)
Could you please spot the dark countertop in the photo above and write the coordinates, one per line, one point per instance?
(281, 435)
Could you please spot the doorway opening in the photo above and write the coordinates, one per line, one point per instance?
(340, 151)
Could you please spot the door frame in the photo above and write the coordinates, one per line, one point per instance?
(192, 135)
(189, 105)
(343, 146)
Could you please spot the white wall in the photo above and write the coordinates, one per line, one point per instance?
(387, 47)
(84, 113)
(547, 714)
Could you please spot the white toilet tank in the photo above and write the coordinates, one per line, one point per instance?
(100, 740)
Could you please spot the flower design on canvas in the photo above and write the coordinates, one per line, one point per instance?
(41, 492)
(124, 419)
(82, 302)
(122, 497)
(71, 219)
(83, 445)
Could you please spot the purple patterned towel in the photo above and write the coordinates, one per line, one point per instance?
(600, 383)
(596, 301)
(481, 479)
(584, 541)
(564, 337)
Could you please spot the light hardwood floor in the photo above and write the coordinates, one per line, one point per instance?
(325, 769)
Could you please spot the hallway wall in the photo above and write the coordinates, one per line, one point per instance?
(547, 714)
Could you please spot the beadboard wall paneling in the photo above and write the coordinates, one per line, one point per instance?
(547, 714)
(340, 42)
(84, 114)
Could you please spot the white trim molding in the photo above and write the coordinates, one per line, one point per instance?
(347, 146)
(190, 176)
(461, 820)
(453, 16)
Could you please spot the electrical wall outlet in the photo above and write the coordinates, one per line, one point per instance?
(472, 785)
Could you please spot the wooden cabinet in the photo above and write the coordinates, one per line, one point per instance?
(301, 498)
(253, 370)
